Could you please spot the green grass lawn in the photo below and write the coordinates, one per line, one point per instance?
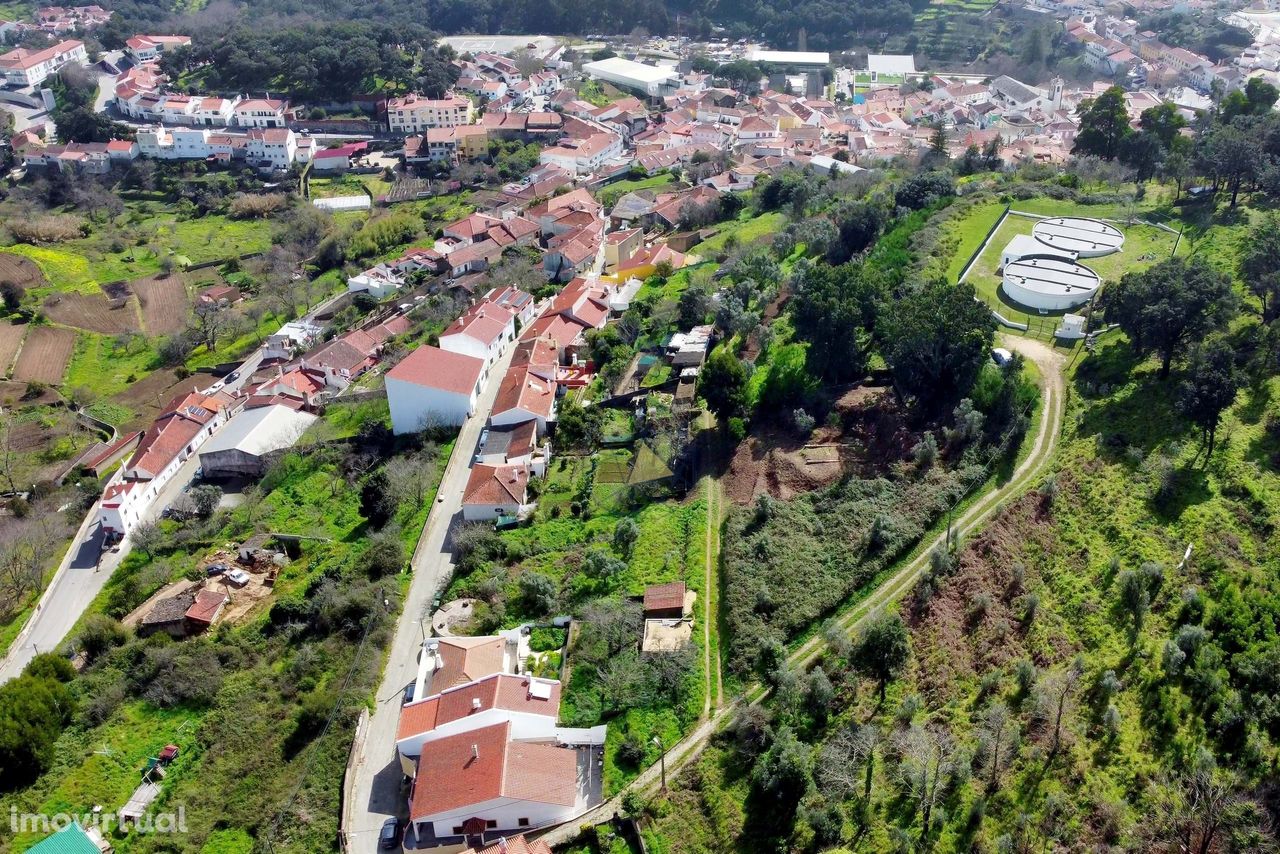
(136, 243)
(100, 363)
(346, 185)
(970, 230)
(745, 230)
(610, 194)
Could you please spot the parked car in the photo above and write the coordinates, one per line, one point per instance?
(238, 577)
(1001, 356)
(408, 691)
(390, 836)
(232, 377)
(215, 569)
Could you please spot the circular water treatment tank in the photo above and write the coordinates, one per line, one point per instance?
(1049, 283)
(1088, 238)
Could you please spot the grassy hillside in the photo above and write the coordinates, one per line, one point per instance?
(1097, 667)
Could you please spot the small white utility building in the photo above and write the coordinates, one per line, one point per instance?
(1024, 245)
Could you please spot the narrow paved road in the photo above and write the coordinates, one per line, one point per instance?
(79, 579)
(1053, 406)
(375, 792)
(85, 568)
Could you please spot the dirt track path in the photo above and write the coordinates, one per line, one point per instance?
(685, 751)
(1050, 364)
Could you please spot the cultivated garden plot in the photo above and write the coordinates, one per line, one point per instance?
(11, 336)
(165, 303)
(93, 312)
(45, 355)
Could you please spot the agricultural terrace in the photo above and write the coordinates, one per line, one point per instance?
(144, 240)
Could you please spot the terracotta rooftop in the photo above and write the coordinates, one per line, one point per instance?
(662, 597)
(432, 367)
(483, 765)
(497, 485)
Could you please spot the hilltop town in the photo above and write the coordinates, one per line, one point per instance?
(687, 442)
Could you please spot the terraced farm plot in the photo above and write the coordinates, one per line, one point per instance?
(10, 341)
(164, 302)
(20, 270)
(45, 355)
(93, 312)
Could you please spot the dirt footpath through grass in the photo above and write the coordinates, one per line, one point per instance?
(687, 750)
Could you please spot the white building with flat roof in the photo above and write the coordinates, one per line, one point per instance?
(649, 80)
(798, 58)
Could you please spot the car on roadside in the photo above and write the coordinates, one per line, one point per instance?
(389, 836)
(215, 569)
(238, 577)
(232, 377)
(1001, 356)
(409, 691)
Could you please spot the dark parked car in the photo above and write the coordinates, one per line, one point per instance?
(215, 569)
(408, 691)
(390, 835)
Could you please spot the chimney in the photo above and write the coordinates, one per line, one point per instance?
(475, 751)
(475, 704)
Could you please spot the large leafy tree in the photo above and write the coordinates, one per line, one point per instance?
(882, 649)
(1164, 121)
(936, 339)
(1210, 387)
(1232, 153)
(1165, 308)
(834, 310)
(1260, 263)
(722, 382)
(1104, 124)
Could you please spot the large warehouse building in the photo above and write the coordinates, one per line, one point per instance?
(648, 80)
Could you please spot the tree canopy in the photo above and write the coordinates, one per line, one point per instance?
(935, 340)
(1166, 307)
(1104, 125)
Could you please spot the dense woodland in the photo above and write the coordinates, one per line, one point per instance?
(829, 25)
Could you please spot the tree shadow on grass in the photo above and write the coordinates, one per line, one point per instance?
(1141, 417)
(1185, 486)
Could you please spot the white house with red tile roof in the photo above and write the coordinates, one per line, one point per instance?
(494, 491)
(261, 113)
(25, 67)
(433, 386)
(186, 424)
(583, 156)
(523, 395)
(529, 704)
(481, 783)
(513, 845)
(482, 331)
(145, 48)
(379, 281)
(276, 146)
(413, 113)
(520, 304)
